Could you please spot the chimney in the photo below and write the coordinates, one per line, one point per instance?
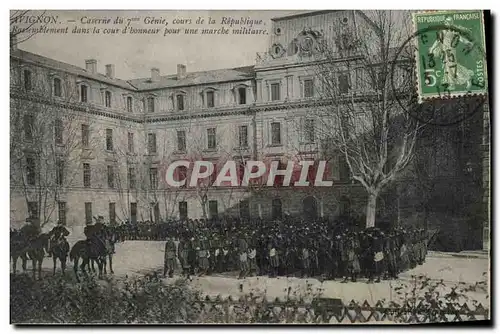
(181, 71)
(110, 71)
(13, 42)
(91, 65)
(155, 74)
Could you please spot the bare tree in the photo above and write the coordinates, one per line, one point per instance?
(46, 146)
(360, 109)
(21, 32)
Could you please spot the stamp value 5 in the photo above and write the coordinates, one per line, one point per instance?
(450, 54)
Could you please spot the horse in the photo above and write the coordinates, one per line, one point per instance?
(89, 249)
(36, 249)
(59, 250)
(17, 250)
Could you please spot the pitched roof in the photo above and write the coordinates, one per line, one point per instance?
(58, 65)
(300, 13)
(167, 81)
(195, 78)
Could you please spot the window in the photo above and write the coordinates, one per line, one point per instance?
(88, 213)
(130, 138)
(243, 136)
(210, 99)
(112, 213)
(180, 102)
(59, 171)
(308, 88)
(155, 215)
(111, 177)
(131, 178)
(182, 175)
(109, 139)
(61, 212)
(344, 173)
(275, 133)
(244, 209)
(213, 176)
(33, 210)
(275, 92)
(27, 80)
(107, 99)
(86, 175)
(83, 93)
(56, 87)
(213, 209)
(151, 143)
(29, 122)
(133, 212)
(153, 178)
(183, 210)
(309, 133)
(151, 104)
(277, 209)
(85, 135)
(343, 84)
(181, 141)
(129, 103)
(242, 95)
(30, 170)
(212, 143)
(58, 129)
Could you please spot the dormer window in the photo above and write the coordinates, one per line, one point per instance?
(107, 99)
(179, 98)
(242, 95)
(208, 96)
(210, 99)
(128, 102)
(27, 80)
(56, 87)
(83, 93)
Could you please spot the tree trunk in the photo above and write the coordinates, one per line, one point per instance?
(371, 209)
(204, 209)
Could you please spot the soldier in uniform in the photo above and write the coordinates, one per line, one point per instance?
(184, 253)
(378, 255)
(203, 256)
(306, 262)
(353, 267)
(273, 259)
(390, 256)
(170, 259)
(243, 256)
(57, 234)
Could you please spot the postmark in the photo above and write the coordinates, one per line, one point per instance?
(450, 54)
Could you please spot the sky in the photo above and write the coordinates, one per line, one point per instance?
(135, 55)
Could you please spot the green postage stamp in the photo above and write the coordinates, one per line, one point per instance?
(450, 54)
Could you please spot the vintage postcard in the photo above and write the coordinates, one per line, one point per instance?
(291, 167)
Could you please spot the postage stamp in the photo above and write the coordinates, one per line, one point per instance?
(450, 54)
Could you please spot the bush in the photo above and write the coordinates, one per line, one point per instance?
(133, 300)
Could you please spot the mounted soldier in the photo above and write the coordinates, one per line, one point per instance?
(57, 236)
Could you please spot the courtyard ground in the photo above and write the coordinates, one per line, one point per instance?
(141, 257)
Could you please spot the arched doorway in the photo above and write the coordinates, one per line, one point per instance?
(310, 208)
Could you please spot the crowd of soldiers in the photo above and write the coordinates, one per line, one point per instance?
(289, 247)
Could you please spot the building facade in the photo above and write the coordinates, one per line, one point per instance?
(86, 144)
